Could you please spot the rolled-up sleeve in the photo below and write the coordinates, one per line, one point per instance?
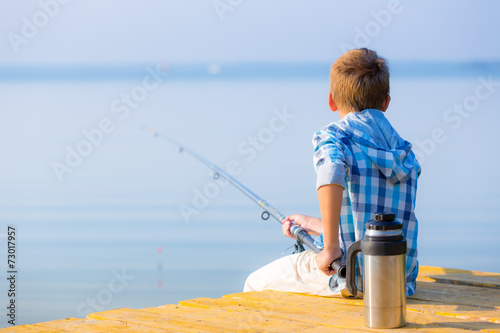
(329, 159)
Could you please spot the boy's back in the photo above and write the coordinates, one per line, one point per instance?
(365, 155)
(363, 166)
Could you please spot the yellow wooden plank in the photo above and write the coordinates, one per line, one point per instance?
(92, 325)
(258, 320)
(338, 317)
(275, 307)
(29, 329)
(459, 276)
(465, 312)
(337, 309)
(81, 325)
(457, 294)
(142, 317)
(188, 319)
(435, 270)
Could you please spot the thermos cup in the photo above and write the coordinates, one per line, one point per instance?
(384, 271)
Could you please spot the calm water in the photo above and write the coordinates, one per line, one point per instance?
(111, 233)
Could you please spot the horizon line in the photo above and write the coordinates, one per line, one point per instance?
(235, 70)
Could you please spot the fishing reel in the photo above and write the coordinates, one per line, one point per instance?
(298, 247)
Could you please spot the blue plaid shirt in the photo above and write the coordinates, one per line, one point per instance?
(365, 155)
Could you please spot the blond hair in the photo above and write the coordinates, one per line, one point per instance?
(359, 80)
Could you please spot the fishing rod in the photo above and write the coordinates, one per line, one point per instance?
(299, 233)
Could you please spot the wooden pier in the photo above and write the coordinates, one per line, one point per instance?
(447, 300)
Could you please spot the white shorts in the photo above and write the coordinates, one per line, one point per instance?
(296, 273)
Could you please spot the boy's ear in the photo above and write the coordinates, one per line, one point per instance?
(331, 103)
(386, 102)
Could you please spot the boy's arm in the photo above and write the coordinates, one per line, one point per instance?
(330, 204)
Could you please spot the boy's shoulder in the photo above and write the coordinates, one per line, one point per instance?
(330, 129)
(329, 133)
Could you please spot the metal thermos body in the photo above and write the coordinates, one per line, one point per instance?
(384, 271)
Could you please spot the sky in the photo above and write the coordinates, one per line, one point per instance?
(41, 32)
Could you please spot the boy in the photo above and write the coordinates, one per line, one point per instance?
(363, 166)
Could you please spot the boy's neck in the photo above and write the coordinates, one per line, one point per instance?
(343, 113)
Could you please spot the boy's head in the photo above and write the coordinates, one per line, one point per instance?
(359, 80)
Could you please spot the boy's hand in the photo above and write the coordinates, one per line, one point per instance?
(312, 225)
(325, 258)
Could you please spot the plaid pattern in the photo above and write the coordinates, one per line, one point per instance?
(376, 167)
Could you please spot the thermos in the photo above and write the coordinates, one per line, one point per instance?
(384, 271)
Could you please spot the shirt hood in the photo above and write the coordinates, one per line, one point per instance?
(375, 136)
